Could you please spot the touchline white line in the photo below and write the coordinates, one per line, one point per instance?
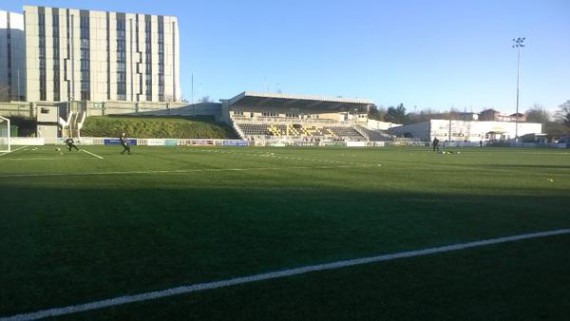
(186, 289)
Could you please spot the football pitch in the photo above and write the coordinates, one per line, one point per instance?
(212, 233)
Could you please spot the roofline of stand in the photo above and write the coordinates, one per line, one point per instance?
(244, 94)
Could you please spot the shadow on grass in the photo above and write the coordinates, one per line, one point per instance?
(68, 246)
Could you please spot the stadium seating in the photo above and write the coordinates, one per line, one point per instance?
(299, 131)
(345, 132)
(254, 129)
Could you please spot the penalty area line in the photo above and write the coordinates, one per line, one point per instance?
(90, 153)
(96, 305)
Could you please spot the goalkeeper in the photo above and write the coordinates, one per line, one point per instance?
(70, 144)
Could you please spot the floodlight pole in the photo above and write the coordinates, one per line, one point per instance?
(518, 43)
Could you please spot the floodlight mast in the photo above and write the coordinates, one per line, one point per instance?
(518, 43)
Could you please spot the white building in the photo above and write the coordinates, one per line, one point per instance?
(12, 56)
(466, 131)
(84, 55)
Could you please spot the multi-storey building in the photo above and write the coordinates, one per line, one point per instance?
(12, 62)
(85, 55)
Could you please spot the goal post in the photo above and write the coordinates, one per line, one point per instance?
(4, 135)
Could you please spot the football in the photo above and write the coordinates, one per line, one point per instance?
(57, 149)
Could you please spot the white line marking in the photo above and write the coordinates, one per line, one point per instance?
(186, 289)
(272, 155)
(187, 171)
(94, 155)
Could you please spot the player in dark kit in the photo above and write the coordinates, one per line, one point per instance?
(125, 144)
(70, 144)
(435, 144)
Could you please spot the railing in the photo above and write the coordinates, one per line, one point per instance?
(238, 130)
(359, 129)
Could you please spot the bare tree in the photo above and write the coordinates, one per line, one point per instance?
(563, 113)
(377, 112)
(537, 114)
(205, 99)
(424, 115)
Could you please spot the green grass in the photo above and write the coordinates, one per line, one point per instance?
(75, 229)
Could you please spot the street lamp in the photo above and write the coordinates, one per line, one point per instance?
(518, 43)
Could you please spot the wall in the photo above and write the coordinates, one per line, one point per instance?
(470, 131)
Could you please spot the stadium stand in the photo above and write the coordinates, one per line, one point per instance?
(297, 118)
(375, 135)
(346, 133)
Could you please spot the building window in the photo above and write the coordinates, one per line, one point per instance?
(161, 92)
(84, 54)
(85, 65)
(84, 59)
(42, 54)
(148, 57)
(121, 59)
(269, 114)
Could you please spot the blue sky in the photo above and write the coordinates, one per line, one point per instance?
(437, 54)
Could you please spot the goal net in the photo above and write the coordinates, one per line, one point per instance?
(4, 135)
